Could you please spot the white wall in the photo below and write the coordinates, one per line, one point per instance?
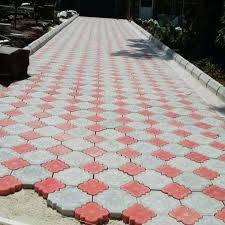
(145, 12)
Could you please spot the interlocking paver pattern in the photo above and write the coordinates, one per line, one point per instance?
(105, 127)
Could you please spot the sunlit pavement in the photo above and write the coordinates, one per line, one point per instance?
(104, 126)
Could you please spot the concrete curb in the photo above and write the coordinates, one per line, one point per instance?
(4, 221)
(40, 42)
(211, 84)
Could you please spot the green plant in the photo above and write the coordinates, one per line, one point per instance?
(220, 40)
(164, 31)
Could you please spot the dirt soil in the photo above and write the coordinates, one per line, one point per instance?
(27, 207)
(30, 32)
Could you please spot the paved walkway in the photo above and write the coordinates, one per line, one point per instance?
(105, 125)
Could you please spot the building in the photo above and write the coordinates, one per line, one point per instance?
(97, 8)
(143, 8)
(129, 8)
(110, 8)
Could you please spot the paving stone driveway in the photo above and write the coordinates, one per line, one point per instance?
(105, 126)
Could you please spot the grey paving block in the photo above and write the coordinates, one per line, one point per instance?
(30, 109)
(72, 176)
(144, 147)
(111, 145)
(10, 141)
(153, 179)
(113, 178)
(24, 118)
(176, 149)
(209, 151)
(216, 165)
(110, 134)
(4, 171)
(209, 220)
(112, 160)
(44, 143)
(170, 138)
(31, 174)
(7, 154)
(219, 181)
(76, 159)
(192, 181)
(56, 111)
(138, 125)
(67, 200)
(147, 161)
(163, 220)
(136, 117)
(202, 204)
(17, 129)
(184, 164)
(110, 124)
(82, 122)
(6, 107)
(77, 144)
(53, 120)
(159, 202)
(48, 131)
(115, 201)
(82, 113)
(38, 157)
(80, 132)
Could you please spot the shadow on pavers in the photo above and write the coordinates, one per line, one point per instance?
(221, 110)
(140, 49)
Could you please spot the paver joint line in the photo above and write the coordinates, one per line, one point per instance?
(104, 128)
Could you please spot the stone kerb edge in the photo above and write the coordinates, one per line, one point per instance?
(40, 42)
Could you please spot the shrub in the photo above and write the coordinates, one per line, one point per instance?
(220, 40)
(165, 32)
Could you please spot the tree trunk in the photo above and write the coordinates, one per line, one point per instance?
(35, 16)
(15, 14)
(128, 8)
(208, 22)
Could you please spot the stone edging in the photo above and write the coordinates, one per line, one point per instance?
(4, 221)
(40, 42)
(204, 79)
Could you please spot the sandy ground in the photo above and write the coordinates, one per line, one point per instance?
(27, 207)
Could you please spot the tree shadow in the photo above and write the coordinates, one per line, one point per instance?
(141, 49)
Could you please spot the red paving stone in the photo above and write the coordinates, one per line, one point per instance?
(132, 169)
(50, 185)
(135, 189)
(206, 173)
(9, 185)
(93, 187)
(169, 171)
(163, 155)
(15, 164)
(137, 214)
(215, 192)
(176, 191)
(23, 148)
(92, 213)
(55, 166)
(221, 215)
(185, 215)
(94, 167)
(129, 153)
(199, 158)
